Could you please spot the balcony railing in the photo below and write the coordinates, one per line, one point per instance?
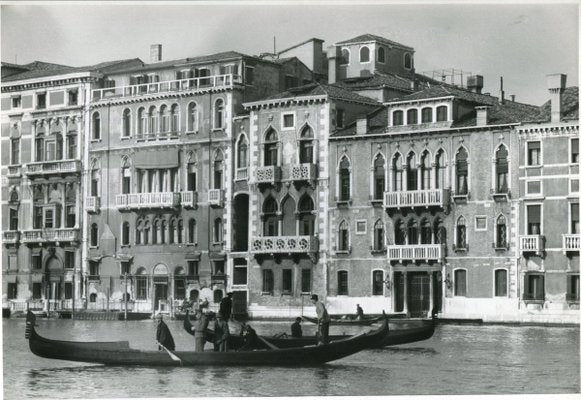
(417, 198)
(571, 242)
(303, 172)
(180, 85)
(284, 244)
(426, 252)
(11, 237)
(189, 199)
(216, 197)
(14, 171)
(270, 174)
(50, 235)
(242, 174)
(53, 167)
(92, 204)
(532, 244)
(147, 200)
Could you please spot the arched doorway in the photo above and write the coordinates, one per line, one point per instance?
(240, 222)
(55, 271)
(160, 286)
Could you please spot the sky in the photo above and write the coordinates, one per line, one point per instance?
(520, 42)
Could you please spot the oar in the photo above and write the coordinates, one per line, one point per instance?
(272, 346)
(172, 355)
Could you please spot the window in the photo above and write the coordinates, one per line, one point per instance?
(344, 180)
(342, 283)
(69, 259)
(37, 291)
(174, 117)
(125, 267)
(533, 187)
(501, 233)
(426, 171)
(37, 261)
(412, 172)
(361, 227)
(125, 234)
(378, 235)
(152, 118)
(345, 57)
(192, 231)
(407, 61)
(12, 292)
(290, 81)
(305, 280)
(179, 284)
(397, 173)
(288, 120)
(534, 153)
(15, 151)
(287, 280)
(94, 269)
(93, 298)
(460, 282)
(242, 161)
(534, 287)
(425, 232)
(573, 185)
(462, 172)
(306, 146)
(219, 114)
(364, 54)
(126, 123)
(141, 122)
(163, 119)
(94, 235)
(306, 217)
(573, 287)
(240, 272)
(397, 117)
(218, 170)
(534, 220)
(381, 55)
(441, 113)
(96, 126)
(41, 100)
(72, 146)
(270, 218)
(574, 228)
(399, 233)
(13, 223)
(343, 237)
(39, 147)
(480, 222)
(461, 233)
(413, 231)
(412, 116)
(500, 283)
(193, 268)
(378, 177)
(427, 115)
(218, 230)
(73, 97)
(377, 289)
(575, 151)
(267, 281)
(340, 118)
(249, 75)
(502, 170)
(270, 148)
(141, 284)
(16, 102)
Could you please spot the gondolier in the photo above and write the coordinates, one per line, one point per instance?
(163, 335)
(323, 320)
(200, 330)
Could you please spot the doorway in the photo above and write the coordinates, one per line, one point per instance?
(418, 294)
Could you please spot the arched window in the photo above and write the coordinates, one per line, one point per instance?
(141, 284)
(175, 118)
(192, 117)
(138, 232)
(412, 231)
(426, 171)
(461, 239)
(192, 176)
(412, 172)
(407, 61)
(152, 120)
(460, 282)
(344, 180)
(343, 237)
(162, 231)
(269, 212)
(342, 283)
(172, 231)
(501, 169)
(425, 232)
(500, 283)
(146, 232)
(219, 114)
(378, 177)
(218, 169)
(13, 223)
(39, 144)
(96, 126)
(94, 235)
(397, 173)
(218, 230)
(462, 171)
(194, 295)
(412, 115)
(397, 117)
(306, 217)
(381, 54)
(141, 122)
(427, 115)
(242, 161)
(440, 165)
(364, 54)
(501, 232)
(306, 146)
(155, 231)
(126, 122)
(378, 235)
(125, 229)
(400, 232)
(439, 232)
(179, 283)
(345, 57)
(377, 278)
(270, 148)
(164, 119)
(192, 231)
(442, 113)
(93, 298)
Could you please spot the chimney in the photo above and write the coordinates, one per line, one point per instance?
(556, 84)
(481, 115)
(361, 125)
(475, 83)
(501, 96)
(332, 55)
(512, 97)
(155, 53)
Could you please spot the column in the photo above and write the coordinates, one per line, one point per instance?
(432, 291)
(405, 292)
(433, 183)
(63, 204)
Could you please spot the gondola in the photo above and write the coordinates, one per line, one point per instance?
(120, 354)
(360, 322)
(395, 337)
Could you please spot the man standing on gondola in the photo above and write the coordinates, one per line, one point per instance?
(221, 333)
(200, 326)
(323, 320)
(226, 306)
(163, 335)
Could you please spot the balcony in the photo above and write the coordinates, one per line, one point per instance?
(218, 278)
(269, 175)
(532, 244)
(284, 244)
(201, 84)
(133, 201)
(11, 237)
(189, 199)
(426, 252)
(53, 167)
(50, 235)
(216, 197)
(92, 204)
(303, 172)
(416, 198)
(242, 174)
(14, 171)
(500, 195)
(571, 243)
(193, 278)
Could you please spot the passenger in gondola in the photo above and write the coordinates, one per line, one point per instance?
(221, 333)
(200, 330)
(360, 315)
(163, 335)
(250, 338)
(296, 330)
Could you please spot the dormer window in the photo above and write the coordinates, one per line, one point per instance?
(364, 54)
(397, 118)
(442, 113)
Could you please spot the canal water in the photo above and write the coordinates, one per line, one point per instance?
(458, 359)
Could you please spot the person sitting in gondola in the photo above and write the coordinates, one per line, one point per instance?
(221, 333)
(296, 330)
(360, 315)
(163, 335)
(250, 338)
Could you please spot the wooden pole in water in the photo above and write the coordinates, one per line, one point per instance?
(125, 296)
(73, 311)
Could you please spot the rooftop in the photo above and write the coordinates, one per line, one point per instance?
(377, 80)
(319, 89)
(367, 37)
(570, 108)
